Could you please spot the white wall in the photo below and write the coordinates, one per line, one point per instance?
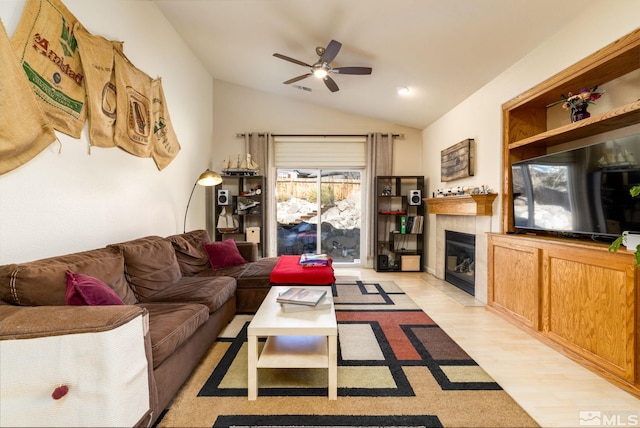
(238, 109)
(479, 116)
(70, 201)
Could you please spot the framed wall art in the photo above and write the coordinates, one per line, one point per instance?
(457, 161)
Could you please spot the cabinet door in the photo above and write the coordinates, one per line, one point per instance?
(590, 306)
(514, 279)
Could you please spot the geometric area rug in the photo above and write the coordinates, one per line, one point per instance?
(396, 368)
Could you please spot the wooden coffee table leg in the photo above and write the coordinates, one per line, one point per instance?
(252, 388)
(333, 367)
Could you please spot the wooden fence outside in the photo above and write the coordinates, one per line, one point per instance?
(304, 188)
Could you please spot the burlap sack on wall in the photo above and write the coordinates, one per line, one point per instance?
(165, 145)
(133, 98)
(98, 64)
(24, 130)
(47, 49)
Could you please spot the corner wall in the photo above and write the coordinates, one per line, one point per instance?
(480, 116)
(68, 201)
(240, 109)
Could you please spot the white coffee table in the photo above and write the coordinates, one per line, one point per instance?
(294, 340)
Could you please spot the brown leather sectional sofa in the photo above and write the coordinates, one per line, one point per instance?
(167, 281)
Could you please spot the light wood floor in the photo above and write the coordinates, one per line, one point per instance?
(549, 386)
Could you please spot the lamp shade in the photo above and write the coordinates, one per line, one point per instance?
(209, 178)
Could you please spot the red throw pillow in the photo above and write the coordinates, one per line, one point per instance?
(85, 290)
(223, 254)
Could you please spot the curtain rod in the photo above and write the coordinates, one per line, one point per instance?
(244, 134)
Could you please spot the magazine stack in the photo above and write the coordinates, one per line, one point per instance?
(303, 299)
(309, 260)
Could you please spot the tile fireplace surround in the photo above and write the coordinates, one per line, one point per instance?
(467, 215)
(476, 225)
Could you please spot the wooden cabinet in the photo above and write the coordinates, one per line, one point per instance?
(399, 223)
(589, 306)
(578, 297)
(573, 295)
(239, 213)
(514, 275)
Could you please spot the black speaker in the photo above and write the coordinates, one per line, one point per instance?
(383, 262)
(415, 197)
(223, 197)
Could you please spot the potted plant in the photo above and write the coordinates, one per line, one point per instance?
(615, 245)
(577, 104)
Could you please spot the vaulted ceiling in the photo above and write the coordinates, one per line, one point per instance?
(442, 50)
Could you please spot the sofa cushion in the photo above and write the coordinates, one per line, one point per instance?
(212, 292)
(85, 290)
(252, 282)
(259, 271)
(223, 254)
(172, 324)
(248, 250)
(254, 274)
(190, 253)
(150, 265)
(43, 282)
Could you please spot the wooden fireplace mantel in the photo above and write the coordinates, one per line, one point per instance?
(462, 205)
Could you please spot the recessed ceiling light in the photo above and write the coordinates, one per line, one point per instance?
(403, 90)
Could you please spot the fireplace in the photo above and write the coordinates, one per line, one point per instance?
(460, 260)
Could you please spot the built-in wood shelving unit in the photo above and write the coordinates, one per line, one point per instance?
(525, 133)
(619, 117)
(573, 295)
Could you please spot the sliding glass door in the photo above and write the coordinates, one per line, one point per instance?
(318, 211)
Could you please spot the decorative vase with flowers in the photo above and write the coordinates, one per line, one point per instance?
(577, 104)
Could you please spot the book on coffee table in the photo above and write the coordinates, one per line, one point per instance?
(301, 296)
(325, 303)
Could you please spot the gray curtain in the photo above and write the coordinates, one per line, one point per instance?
(260, 146)
(255, 143)
(379, 162)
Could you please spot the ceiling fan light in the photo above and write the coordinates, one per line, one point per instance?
(320, 73)
(403, 90)
(321, 69)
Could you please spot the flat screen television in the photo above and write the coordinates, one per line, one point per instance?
(579, 193)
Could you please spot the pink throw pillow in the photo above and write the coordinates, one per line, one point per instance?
(85, 290)
(223, 254)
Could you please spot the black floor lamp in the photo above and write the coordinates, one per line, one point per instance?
(207, 179)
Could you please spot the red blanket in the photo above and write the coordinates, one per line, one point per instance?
(288, 270)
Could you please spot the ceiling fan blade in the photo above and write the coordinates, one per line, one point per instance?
(331, 84)
(352, 70)
(295, 61)
(295, 79)
(331, 51)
